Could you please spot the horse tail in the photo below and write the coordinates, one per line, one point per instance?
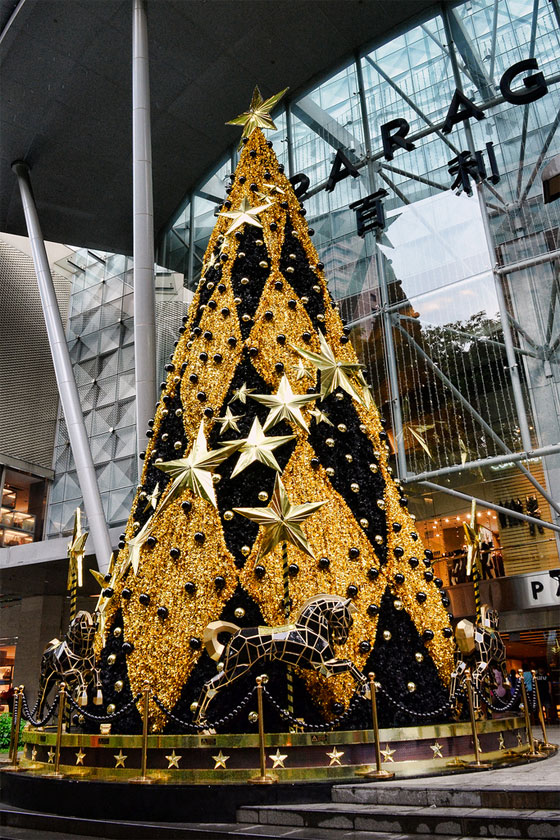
(213, 647)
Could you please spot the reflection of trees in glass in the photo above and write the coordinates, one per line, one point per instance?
(437, 429)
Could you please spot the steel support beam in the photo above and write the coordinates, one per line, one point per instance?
(67, 387)
(542, 452)
(474, 413)
(484, 503)
(520, 265)
(143, 229)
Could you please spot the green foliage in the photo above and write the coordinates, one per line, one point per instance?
(6, 728)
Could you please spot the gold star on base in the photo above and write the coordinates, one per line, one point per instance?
(50, 756)
(278, 759)
(76, 552)
(388, 753)
(195, 471)
(345, 375)
(501, 742)
(80, 757)
(229, 421)
(436, 749)
(220, 760)
(257, 447)
(301, 371)
(173, 760)
(258, 115)
(321, 416)
(241, 394)
(282, 521)
(245, 215)
(334, 756)
(120, 759)
(285, 405)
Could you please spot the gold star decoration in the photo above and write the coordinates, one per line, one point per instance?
(76, 552)
(282, 521)
(50, 756)
(278, 759)
(258, 114)
(321, 416)
(195, 471)
(134, 546)
(80, 757)
(257, 447)
(436, 749)
(388, 753)
(247, 214)
(345, 375)
(220, 760)
(120, 759)
(173, 760)
(301, 371)
(229, 421)
(285, 405)
(501, 742)
(152, 499)
(334, 756)
(473, 540)
(105, 582)
(241, 394)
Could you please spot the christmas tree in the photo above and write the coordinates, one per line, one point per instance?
(264, 384)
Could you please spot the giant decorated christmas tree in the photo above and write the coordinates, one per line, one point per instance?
(265, 406)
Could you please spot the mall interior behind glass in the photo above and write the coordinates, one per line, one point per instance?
(429, 300)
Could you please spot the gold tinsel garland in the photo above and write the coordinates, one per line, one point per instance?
(161, 649)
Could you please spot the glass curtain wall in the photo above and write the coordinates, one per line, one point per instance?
(445, 283)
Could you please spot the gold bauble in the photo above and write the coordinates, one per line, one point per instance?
(419, 657)
(245, 550)
(374, 468)
(362, 428)
(253, 717)
(398, 604)
(119, 685)
(111, 659)
(364, 523)
(329, 471)
(220, 666)
(239, 612)
(411, 686)
(349, 458)
(216, 478)
(263, 496)
(177, 445)
(111, 709)
(117, 632)
(330, 442)
(387, 635)
(341, 427)
(381, 504)
(354, 487)
(338, 395)
(165, 436)
(178, 412)
(193, 707)
(379, 539)
(228, 514)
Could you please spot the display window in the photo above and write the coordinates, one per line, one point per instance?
(22, 508)
(7, 658)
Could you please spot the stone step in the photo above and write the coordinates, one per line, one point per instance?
(409, 819)
(545, 797)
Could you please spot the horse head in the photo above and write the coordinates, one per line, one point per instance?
(82, 629)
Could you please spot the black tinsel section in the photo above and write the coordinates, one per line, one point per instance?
(243, 490)
(131, 722)
(394, 664)
(213, 276)
(247, 265)
(355, 443)
(302, 278)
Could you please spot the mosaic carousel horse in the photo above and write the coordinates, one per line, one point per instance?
(480, 648)
(322, 622)
(72, 660)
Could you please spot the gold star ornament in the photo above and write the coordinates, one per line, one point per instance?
(285, 405)
(247, 214)
(120, 759)
(388, 753)
(258, 447)
(334, 756)
(258, 114)
(173, 760)
(80, 757)
(345, 375)
(220, 760)
(281, 520)
(229, 421)
(277, 759)
(473, 540)
(152, 499)
(436, 749)
(135, 545)
(241, 393)
(76, 552)
(195, 471)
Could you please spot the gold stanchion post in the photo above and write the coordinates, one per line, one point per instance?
(264, 778)
(143, 778)
(480, 765)
(379, 772)
(544, 745)
(14, 734)
(59, 723)
(533, 753)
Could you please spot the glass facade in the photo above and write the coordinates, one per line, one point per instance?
(101, 342)
(454, 305)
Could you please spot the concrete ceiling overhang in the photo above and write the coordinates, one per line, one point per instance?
(66, 94)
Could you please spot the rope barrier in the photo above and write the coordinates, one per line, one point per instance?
(104, 718)
(199, 727)
(413, 712)
(30, 716)
(507, 706)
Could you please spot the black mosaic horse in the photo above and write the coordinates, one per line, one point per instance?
(322, 622)
(72, 660)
